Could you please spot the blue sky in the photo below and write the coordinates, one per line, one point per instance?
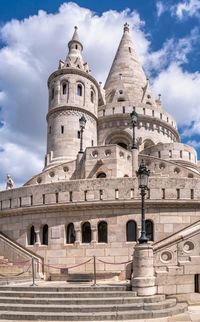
(34, 35)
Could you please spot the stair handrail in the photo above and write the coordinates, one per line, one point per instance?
(23, 249)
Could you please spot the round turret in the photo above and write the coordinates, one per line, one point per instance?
(73, 92)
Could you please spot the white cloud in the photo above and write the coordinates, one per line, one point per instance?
(32, 50)
(160, 8)
(180, 94)
(195, 144)
(186, 8)
(173, 50)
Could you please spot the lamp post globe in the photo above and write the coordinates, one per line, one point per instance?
(143, 180)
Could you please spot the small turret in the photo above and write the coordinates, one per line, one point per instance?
(73, 93)
(74, 57)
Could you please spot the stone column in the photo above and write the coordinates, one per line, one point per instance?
(78, 236)
(143, 280)
(37, 237)
(134, 162)
(94, 235)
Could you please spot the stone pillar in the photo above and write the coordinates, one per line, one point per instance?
(134, 162)
(37, 237)
(78, 236)
(143, 280)
(94, 235)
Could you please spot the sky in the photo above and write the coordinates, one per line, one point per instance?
(34, 36)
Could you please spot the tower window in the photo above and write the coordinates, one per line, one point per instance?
(123, 109)
(131, 231)
(102, 232)
(86, 233)
(32, 235)
(163, 193)
(52, 93)
(78, 134)
(49, 129)
(149, 229)
(113, 110)
(181, 154)
(144, 111)
(71, 234)
(178, 193)
(153, 113)
(101, 175)
(92, 143)
(192, 193)
(62, 129)
(45, 235)
(92, 96)
(170, 153)
(129, 48)
(64, 89)
(76, 46)
(79, 90)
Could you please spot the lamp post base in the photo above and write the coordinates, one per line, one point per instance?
(143, 279)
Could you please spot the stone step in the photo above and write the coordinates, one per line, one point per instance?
(66, 294)
(85, 308)
(84, 301)
(67, 288)
(92, 316)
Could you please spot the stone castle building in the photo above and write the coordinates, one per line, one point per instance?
(86, 201)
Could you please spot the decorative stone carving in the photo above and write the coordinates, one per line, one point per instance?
(166, 256)
(9, 183)
(188, 247)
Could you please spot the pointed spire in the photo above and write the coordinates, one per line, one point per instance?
(75, 39)
(126, 63)
(75, 36)
(74, 58)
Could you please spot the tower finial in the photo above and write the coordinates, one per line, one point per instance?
(126, 27)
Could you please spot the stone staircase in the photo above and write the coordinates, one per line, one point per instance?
(12, 272)
(82, 303)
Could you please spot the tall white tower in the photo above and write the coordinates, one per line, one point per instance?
(73, 92)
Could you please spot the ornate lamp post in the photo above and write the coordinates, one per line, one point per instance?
(134, 119)
(143, 178)
(82, 122)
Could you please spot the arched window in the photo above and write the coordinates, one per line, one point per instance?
(149, 229)
(102, 232)
(92, 96)
(52, 93)
(79, 90)
(45, 237)
(86, 233)
(131, 231)
(123, 145)
(101, 175)
(71, 234)
(64, 88)
(32, 235)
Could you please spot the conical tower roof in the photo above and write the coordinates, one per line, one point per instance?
(74, 57)
(126, 65)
